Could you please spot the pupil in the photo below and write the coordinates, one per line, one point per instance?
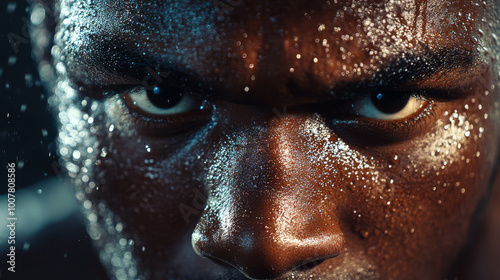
(164, 97)
(390, 102)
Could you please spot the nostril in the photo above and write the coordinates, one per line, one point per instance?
(220, 262)
(309, 265)
(290, 242)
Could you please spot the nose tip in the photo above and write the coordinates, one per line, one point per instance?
(261, 256)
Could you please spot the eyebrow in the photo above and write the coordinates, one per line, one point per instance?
(408, 67)
(449, 68)
(125, 64)
(111, 63)
(116, 58)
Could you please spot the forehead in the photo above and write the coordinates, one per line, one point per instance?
(419, 18)
(333, 40)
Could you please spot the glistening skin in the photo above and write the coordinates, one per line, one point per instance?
(381, 165)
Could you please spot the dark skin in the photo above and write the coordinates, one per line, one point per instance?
(377, 168)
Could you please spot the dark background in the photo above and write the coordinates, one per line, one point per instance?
(27, 136)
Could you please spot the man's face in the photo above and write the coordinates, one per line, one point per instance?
(276, 139)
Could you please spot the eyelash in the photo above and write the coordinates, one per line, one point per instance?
(162, 126)
(378, 131)
(383, 132)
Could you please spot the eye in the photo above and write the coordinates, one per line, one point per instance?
(164, 111)
(162, 100)
(388, 105)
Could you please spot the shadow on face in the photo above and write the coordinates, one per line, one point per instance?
(301, 139)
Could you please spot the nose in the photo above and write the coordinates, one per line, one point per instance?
(267, 243)
(266, 215)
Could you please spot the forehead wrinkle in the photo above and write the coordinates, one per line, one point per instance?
(264, 31)
(194, 44)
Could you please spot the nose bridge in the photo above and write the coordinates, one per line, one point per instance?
(264, 214)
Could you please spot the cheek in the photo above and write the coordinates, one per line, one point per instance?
(140, 194)
(150, 182)
(82, 151)
(421, 193)
(458, 156)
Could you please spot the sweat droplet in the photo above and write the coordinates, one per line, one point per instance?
(11, 7)
(12, 60)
